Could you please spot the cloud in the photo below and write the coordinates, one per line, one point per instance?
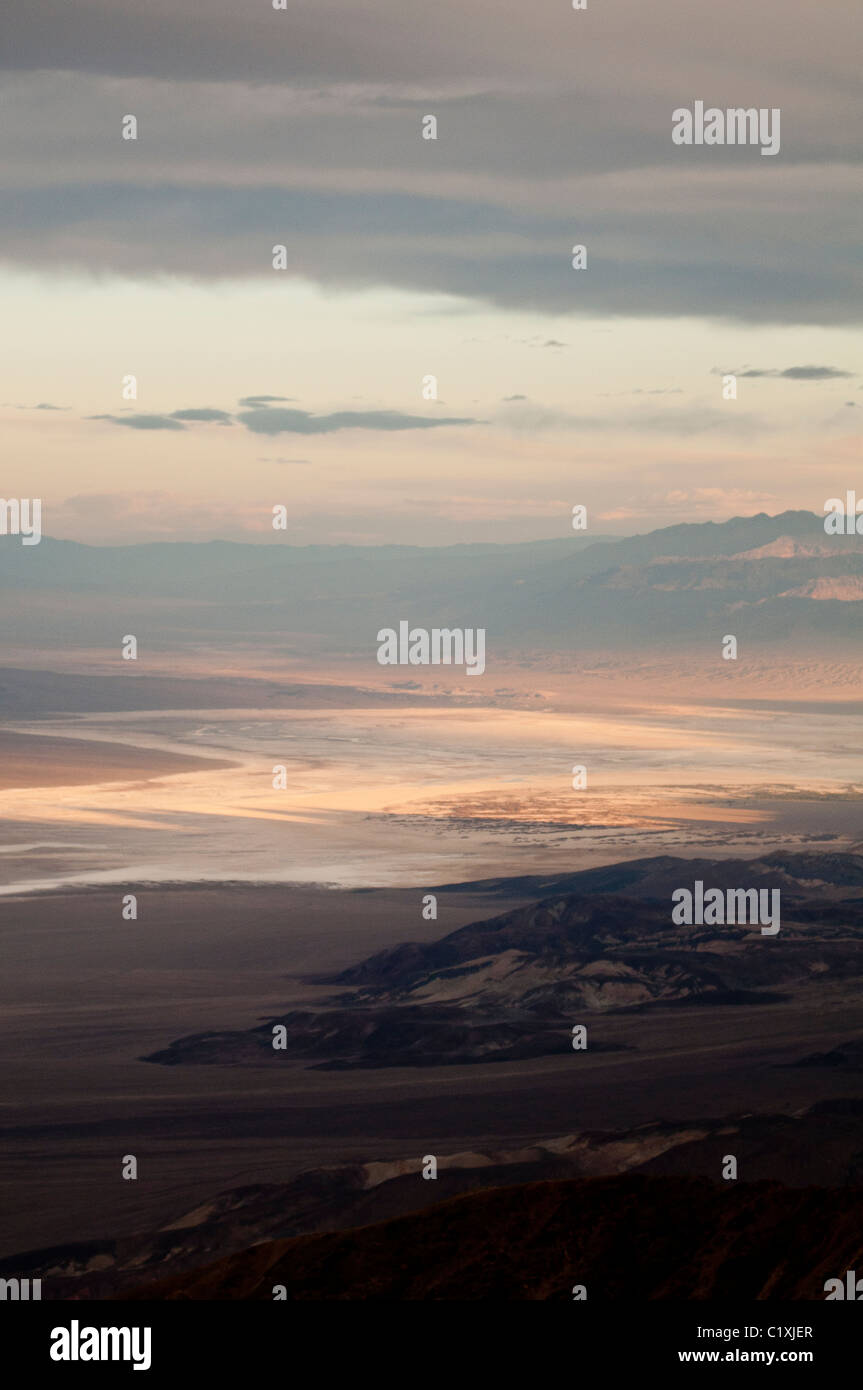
(276, 459)
(788, 373)
(204, 413)
(692, 420)
(689, 502)
(449, 46)
(813, 373)
(271, 420)
(726, 497)
(537, 146)
(164, 515)
(142, 422)
(640, 391)
(475, 245)
(255, 401)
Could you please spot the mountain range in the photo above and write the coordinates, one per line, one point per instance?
(769, 577)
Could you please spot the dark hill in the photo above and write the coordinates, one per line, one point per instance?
(512, 986)
(623, 1238)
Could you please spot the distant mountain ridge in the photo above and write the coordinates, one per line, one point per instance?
(778, 578)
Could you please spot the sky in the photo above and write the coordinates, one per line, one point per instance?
(409, 258)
